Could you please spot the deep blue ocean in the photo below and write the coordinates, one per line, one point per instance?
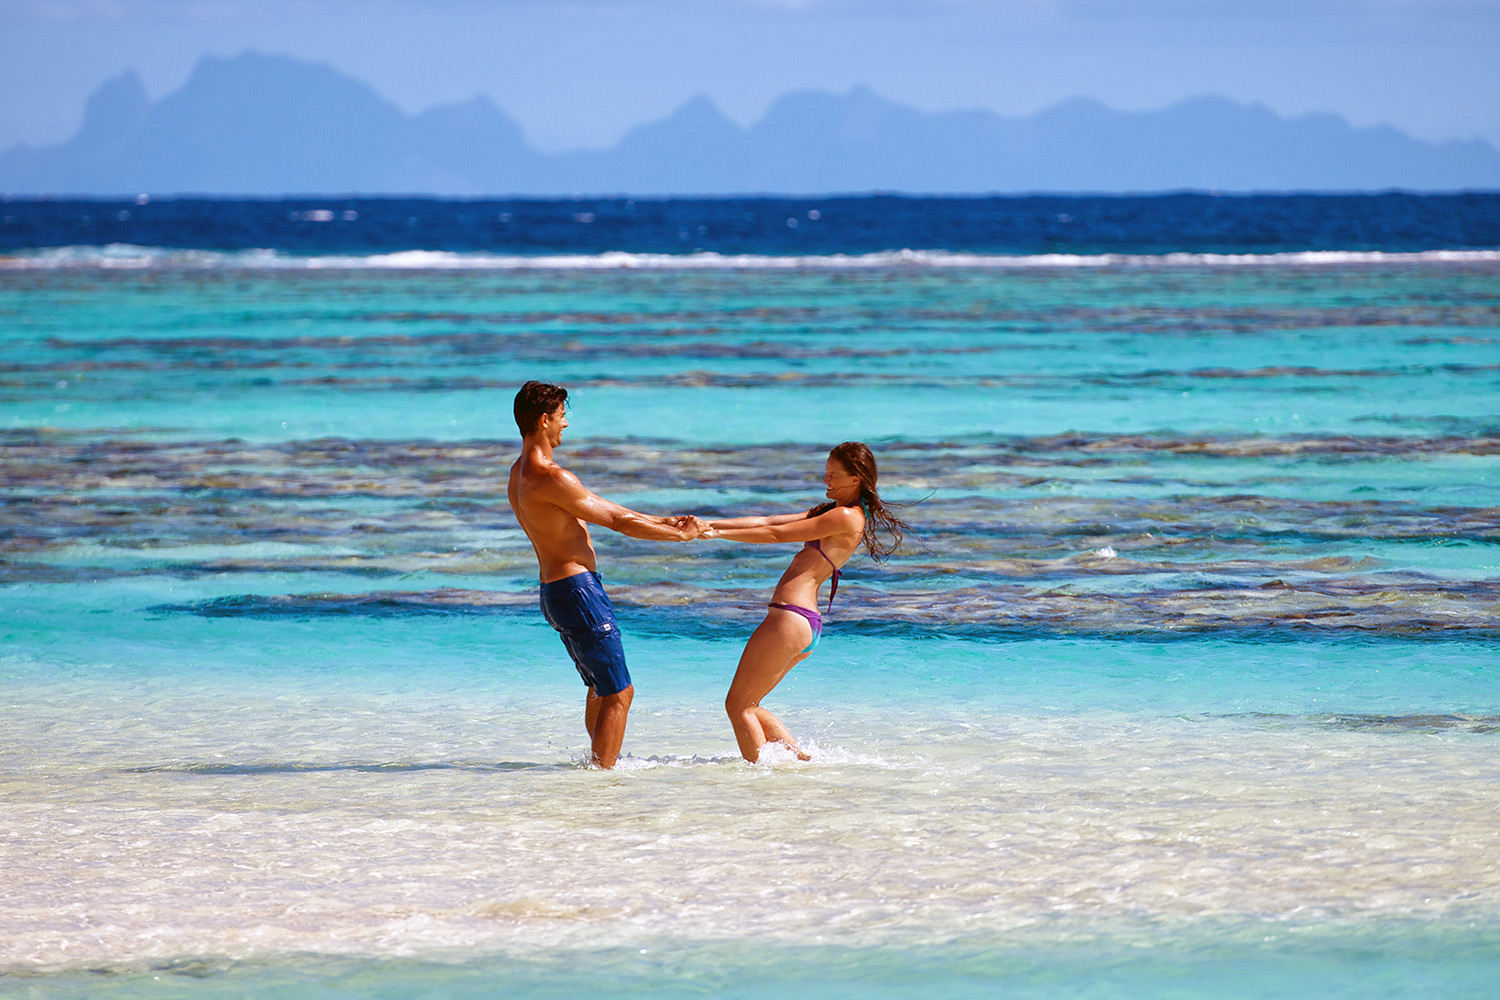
(1155, 224)
(1187, 684)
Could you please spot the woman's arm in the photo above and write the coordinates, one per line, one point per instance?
(756, 522)
(798, 528)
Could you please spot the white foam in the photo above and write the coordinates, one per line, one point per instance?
(121, 255)
(772, 755)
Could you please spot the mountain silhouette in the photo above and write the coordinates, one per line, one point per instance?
(259, 124)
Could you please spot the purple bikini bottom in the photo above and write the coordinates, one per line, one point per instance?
(813, 618)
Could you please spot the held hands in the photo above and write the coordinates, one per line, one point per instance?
(692, 527)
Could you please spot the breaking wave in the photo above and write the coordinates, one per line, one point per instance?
(129, 256)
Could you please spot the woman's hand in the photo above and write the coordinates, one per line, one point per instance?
(692, 527)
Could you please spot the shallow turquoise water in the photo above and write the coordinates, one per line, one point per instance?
(1395, 961)
(1189, 689)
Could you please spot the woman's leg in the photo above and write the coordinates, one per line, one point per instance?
(774, 649)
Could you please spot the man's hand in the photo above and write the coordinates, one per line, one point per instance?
(691, 526)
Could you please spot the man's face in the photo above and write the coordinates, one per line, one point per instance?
(552, 425)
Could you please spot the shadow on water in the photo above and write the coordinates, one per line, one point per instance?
(1412, 723)
(1426, 722)
(357, 767)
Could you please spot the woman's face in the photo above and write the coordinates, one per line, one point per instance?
(839, 484)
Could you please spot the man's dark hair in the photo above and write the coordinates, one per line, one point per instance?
(535, 401)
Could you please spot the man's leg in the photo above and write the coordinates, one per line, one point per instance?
(588, 630)
(605, 719)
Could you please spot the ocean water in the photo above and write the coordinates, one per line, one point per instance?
(1188, 685)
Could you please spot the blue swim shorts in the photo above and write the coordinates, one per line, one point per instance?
(579, 609)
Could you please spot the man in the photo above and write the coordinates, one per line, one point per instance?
(553, 508)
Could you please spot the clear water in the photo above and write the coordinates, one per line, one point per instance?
(1190, 689)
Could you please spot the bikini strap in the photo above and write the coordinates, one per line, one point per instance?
(817, 546)
(833, 591)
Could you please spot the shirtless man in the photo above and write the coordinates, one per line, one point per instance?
(553, 506)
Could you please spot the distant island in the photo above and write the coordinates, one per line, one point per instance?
(259, 124)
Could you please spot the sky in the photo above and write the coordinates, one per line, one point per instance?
(579, 73)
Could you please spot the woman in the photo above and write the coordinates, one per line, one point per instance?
(830, 534)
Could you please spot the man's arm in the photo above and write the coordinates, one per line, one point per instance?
(562, 489)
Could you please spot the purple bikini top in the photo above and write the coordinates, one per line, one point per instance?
(817, 547)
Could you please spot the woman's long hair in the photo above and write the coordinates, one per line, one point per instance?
(855, 457)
